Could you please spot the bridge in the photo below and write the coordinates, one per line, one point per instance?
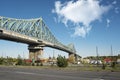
(33, 32)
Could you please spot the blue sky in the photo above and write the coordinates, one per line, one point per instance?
(86, 23)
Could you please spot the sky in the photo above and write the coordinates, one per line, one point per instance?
(85, 23)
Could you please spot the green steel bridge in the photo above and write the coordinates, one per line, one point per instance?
(33, 32)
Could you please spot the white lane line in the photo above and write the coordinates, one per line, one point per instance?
(25, 72)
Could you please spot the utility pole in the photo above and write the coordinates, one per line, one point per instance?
(112, 59)
(53, 54)
(23, 56)
(97, 54)
(111, 51)
(111, 54)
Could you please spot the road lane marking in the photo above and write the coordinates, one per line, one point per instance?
(25, 72)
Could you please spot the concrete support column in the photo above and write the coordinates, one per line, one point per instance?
(35, 52)
(75, 57)
(71, 57)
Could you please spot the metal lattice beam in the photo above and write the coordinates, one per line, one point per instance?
(34, 28)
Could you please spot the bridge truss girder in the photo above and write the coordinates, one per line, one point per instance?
(35, 28)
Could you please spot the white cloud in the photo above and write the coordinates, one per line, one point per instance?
(108, 22)
(114, 2)
(117, 10)
(81, 31)
(81, 13)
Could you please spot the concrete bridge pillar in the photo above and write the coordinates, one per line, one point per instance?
(35, 52)
(71, 57)
(76, 57)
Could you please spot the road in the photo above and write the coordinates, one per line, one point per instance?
(15, 73)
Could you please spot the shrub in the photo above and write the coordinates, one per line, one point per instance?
(1, 61)
(103, 66)
(19, 60)
(113, 64)
(62, 61)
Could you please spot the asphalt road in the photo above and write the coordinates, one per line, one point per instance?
(13, 73)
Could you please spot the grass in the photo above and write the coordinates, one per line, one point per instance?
(71, 68)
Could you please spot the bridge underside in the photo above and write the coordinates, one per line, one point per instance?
(35, 46)
(5, 35)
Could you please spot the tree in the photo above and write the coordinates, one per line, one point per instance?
(19, 60)
(9, 60)
(62, 61)
(1, 61)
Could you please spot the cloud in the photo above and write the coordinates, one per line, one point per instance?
(114, 2)
(80, 13)
(108, 22)
(117, 10)
(81, 31)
